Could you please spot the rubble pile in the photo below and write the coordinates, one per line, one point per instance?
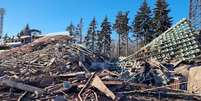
(53, 69)
(36, 45)
(40, 60)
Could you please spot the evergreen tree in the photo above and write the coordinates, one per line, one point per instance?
(161, 19)
(99, 42)
(25, 31)
(142, 24)
(18, 36)
(72, 31)
(122, 28)
(106, 32)
(6, 37)
(80, 26)
(13, 39)
(78, 32)
(91, 35)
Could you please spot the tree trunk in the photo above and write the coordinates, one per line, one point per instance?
(93, 40)
(104, 46)
(127, 45)
(80, 25)
(80, 35)
(137, 44)
(144, 40)
(119, 43)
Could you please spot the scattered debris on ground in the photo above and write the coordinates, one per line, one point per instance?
(52, 69)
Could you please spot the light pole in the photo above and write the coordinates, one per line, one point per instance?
(2, 12)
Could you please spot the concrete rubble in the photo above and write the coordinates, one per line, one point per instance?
(53, 69)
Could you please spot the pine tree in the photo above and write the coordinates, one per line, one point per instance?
(106, 32)
(25, 31)
(13, 39)
(122, 28)
(71, 29)
(18, 35)
(78, 31)
(99, 42)
(161, 19)
(91, 35)
(80, 26)
(77, 34)
(142, 24)
(6, 37)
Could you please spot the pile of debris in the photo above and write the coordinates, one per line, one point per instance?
(53, 69)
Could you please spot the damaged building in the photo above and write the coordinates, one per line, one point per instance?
(59, 67)
(53, 68)
(179, 42)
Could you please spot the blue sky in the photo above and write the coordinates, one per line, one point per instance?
(55, 15)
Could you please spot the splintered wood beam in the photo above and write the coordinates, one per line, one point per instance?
(21, 86)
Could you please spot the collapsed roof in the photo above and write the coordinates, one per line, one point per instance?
(179, 42)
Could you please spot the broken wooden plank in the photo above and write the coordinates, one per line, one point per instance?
(21, 86)
(72, 74)
(98, 83)
(51, 62)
